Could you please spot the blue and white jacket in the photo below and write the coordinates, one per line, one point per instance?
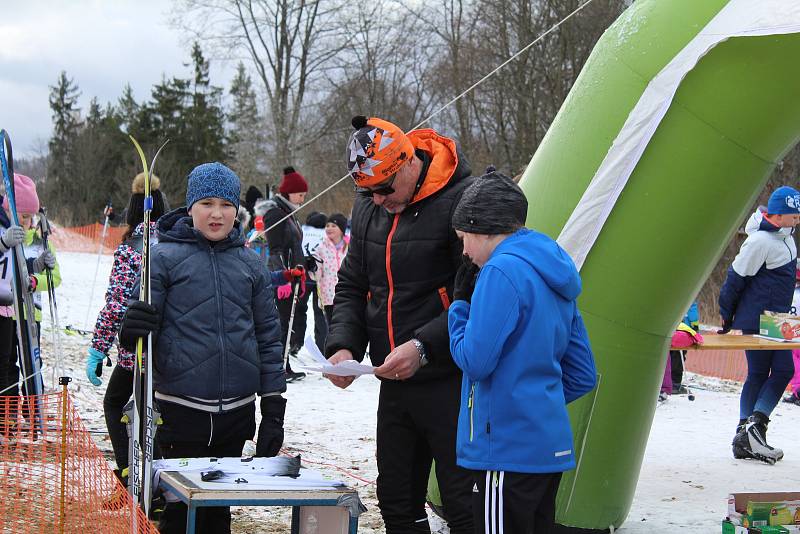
(761, 277)
(525, 354)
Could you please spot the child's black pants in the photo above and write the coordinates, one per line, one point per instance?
(514, 503)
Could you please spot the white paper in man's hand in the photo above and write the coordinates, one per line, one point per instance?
(321, 365)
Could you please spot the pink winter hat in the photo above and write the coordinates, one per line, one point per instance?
(24, 194)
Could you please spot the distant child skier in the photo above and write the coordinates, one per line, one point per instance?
(331, 253)
(517, 334)
(124, 274)
(217, 336)
(38, 260)
(761, 278)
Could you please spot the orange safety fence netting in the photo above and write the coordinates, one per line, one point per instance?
(56, 480)
(87, 238)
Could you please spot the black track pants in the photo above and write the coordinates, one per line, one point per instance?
(188, 433)
(514, 503)
(417, 423)
(118, 393)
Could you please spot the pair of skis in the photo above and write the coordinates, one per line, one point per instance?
(144, 417)
(27, 334)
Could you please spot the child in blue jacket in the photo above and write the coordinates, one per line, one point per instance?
(761, 278)
(521, 343)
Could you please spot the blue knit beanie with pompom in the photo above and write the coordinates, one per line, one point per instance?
(212, 180)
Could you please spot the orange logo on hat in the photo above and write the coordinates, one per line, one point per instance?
(376, 151)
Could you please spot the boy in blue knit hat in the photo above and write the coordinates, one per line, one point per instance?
(216, 334)
(761, 279)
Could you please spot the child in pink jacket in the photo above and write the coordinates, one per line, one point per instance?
(331, 252)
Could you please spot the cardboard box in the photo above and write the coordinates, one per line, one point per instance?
(779, 326)
(754, 510)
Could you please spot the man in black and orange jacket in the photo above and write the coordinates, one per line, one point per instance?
(394, 288)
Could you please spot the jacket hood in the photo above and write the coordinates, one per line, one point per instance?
(545, 257)
(757, 222)
(176, 227)
(448, 164)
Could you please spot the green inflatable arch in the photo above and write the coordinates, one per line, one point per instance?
(680, 186)
(668, 135)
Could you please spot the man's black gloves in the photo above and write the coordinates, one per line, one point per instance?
(270, 431)
(464, 284)
(140, 319)
(727, 324)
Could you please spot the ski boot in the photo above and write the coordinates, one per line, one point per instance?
(792, 399)
(119, 497)
(751, 442)
(738, 452)
(293, 376)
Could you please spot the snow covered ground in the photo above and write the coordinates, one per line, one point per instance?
(687, 472)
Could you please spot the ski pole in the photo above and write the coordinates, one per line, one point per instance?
(107, 211)
(44, 226)
(291, 322)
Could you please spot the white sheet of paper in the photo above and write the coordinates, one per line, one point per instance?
(321, 365)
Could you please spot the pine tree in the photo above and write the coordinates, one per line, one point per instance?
(62, 167)
(66, 122)
(246, 131)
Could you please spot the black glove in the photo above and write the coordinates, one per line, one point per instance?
(311, 264)
(140, 319)
(726, 326)
(464, 284)
(270, 431)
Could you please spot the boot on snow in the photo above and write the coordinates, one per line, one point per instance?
(752, 441)
(738, 452)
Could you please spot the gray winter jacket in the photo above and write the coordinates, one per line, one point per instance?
(219, 342)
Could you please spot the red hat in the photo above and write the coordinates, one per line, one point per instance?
(293, 182)
(25, 197)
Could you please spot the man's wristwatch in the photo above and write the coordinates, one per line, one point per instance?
(423, 357)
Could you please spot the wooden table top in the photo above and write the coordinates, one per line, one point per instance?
(741, 342)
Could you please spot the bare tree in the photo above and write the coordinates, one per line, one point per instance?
(289, 43)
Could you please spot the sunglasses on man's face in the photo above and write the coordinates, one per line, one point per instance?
(383, 190)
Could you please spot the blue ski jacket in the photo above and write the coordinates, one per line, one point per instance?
(761, 277)
(525, 354)
(220, 339)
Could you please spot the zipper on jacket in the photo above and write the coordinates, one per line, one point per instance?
(444, 297)
(221, 326)
(470, 404)
(390, 280)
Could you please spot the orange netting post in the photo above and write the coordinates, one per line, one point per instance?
(52, 476)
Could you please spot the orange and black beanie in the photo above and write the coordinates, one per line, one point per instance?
(293, 182)
(376, 150)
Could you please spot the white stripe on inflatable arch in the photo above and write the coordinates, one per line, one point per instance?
(739, 18)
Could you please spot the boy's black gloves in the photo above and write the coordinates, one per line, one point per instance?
(140, 319)
(464, 284)
(270, 431)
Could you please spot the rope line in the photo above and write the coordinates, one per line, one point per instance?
(438, 111)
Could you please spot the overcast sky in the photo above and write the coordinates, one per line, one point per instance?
(101, 44)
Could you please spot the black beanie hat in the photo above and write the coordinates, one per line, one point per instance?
(339, 220)
(316, 219)
(251, 197)
(135, 210)
(492, 205)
